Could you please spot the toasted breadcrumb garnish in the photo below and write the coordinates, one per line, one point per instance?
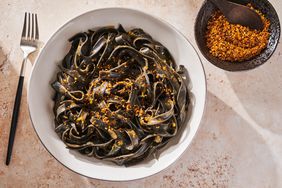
(233, 42)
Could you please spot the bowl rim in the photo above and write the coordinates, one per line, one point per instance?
(203, 112)
(240, 69)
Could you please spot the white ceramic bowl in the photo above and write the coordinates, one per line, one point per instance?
(44, 72)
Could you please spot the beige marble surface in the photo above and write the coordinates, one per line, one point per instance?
(239, 143)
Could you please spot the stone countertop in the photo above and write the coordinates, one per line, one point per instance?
(239, 143)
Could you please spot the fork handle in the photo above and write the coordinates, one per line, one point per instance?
(15, 119)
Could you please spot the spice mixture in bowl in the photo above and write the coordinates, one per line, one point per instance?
(233, 42)
(234, 47)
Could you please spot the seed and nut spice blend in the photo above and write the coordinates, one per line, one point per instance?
(233, 42)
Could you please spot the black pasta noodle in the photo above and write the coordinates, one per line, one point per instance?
(119, 95)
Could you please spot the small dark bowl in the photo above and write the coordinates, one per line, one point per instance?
(266, 8)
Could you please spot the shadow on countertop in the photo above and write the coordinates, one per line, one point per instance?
(262, 90)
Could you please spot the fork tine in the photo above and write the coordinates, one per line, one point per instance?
(28, 28)
(32, 26)
(36, 28)
(24, 26)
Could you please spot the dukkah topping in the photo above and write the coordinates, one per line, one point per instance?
(233, 42)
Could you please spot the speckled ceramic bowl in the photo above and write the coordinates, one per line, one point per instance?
(266, 8)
